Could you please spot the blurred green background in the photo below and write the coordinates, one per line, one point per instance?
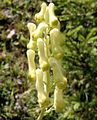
(78, 20)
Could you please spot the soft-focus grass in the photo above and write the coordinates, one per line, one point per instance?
(14, 16)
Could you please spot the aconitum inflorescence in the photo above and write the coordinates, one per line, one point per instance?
(47, 41)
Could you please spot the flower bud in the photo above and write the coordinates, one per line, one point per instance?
(46, 80)
(53, 21)
(40, 16)
(40, 30)
(59, 78)
(31, 28)
(57, 36)
(58, 100)
(55, 44)
(42, 97)
(31, 44)
(31, 64)
(43, 60)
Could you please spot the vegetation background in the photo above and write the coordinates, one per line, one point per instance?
(78, 20)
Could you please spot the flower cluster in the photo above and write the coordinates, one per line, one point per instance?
(47, 41)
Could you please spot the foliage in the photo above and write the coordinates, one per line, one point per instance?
(79, 23)
(80, 57)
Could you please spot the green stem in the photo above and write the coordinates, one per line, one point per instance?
(41, 114)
